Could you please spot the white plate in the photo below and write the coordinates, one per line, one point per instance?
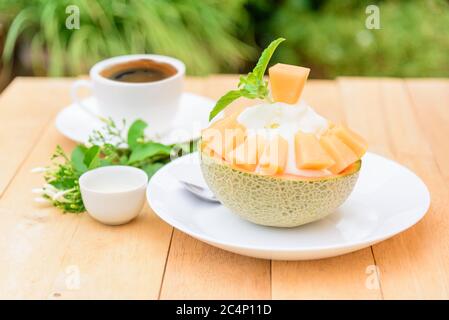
(76, 124)
(387, 199)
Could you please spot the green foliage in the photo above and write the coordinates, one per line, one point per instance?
(107, 147)
(62, 188)
(204, 34)
(217, 36)
(136, 133)
(331, 38)
(224, 101)
(251, 86)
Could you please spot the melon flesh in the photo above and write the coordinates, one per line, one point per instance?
(310, 154)
(340, 153)
(211, 141)
(246, 155)
(233, 137)
(277, 201)
(223, 136)
(274, 156)
(261, 145)
(351, 139)
(287, 82)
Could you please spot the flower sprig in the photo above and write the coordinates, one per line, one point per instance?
(108, 146)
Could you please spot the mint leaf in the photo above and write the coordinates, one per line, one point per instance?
(84, 158)
(136, 133)
(148, 150)
(91, 159)
(224, 101)
(251, 86)
(265, 57)
(77, 159)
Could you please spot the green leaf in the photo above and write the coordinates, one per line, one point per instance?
(265, 58)
(123, 160)
(136, 133)
(77, 158)
(148, 150)
(252, 86)
(91, 159)
(151, 168)
(224, 101)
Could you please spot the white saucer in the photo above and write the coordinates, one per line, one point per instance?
(388, 198)
(77, 124)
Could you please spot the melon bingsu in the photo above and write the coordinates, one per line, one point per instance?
(279, 163)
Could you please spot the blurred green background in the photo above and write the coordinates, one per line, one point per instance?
(213, 36)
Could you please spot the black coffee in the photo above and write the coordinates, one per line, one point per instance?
(143, 70)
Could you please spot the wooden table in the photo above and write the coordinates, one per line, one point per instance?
(46, 254)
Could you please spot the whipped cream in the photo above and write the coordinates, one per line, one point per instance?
(285, 120)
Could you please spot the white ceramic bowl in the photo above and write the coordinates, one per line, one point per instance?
(115, 194)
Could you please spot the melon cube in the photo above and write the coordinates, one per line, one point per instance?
(310, 154)
(224, 123)
(287, 82)
(223, 136)
(340, 153)
(206, 149)
(351, 139)
(212, 142)
(233, 137)
(274, 156)
(245, 156)
(261, 145)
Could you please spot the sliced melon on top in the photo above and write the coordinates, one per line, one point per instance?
(246, 155)
(223, 136)
(214, 131)
(209, 149)
(340, 153)
(310, 154)
(212, 142)
(233, 137)
(229, 121)
(274, 156)
(351, 139)
(287, 82)
(261, 145)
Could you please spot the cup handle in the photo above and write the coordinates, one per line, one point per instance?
(76, 99)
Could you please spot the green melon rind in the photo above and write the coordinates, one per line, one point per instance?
(274, 201)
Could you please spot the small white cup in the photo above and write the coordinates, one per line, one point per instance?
(155, 102)
(113, 195)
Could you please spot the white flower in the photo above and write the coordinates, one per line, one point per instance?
(50, 187)
(59, 196)
(47, 189)
(38, 190)
(39, 170)
(42, 200)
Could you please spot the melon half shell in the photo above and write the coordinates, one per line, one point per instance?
(275, 200)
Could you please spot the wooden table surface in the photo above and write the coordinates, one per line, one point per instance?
(46, 254)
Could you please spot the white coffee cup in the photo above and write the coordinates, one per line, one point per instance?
(154, 102)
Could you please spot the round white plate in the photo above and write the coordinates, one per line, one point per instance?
(387, 199)
(77, 124)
